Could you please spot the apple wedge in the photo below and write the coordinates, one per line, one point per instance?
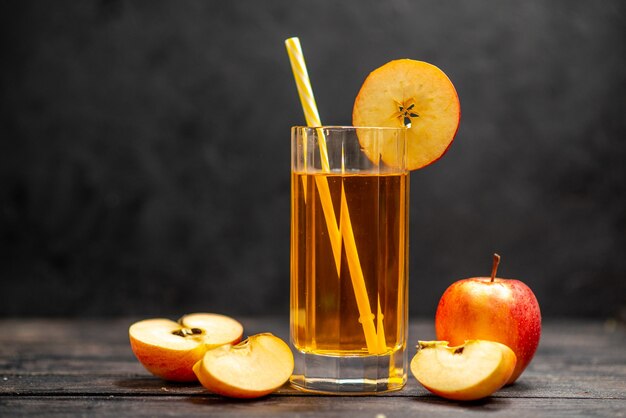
(169, 349)
(255, 367)
(412, 94)
(467, 372)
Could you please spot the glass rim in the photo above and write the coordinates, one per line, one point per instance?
(346, 127)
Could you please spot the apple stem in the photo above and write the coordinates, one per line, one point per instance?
(494, 269)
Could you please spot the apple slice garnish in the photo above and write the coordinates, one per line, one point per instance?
(413, 94)
(466, 372)
(169, 349)
(255, 367)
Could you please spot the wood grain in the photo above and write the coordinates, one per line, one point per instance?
(86, 367)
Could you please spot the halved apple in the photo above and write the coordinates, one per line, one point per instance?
(467, 372)
(255, 367)
(412, 94)
(169, 349)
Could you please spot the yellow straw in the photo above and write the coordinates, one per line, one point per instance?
(313, 119)
(300, 74)
(375, 344)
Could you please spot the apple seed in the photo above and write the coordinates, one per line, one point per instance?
(405, 112)
(185, 332)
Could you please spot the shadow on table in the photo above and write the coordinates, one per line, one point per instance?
(270, 406)
(490, 404)
(287, 400)
(156, 384)
(273, 406)
(501, 400)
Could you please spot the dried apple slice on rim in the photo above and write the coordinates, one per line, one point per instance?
(413, 94)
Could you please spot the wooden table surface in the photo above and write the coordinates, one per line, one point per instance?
(86, 368)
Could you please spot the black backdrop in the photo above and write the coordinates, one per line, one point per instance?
(144, 149)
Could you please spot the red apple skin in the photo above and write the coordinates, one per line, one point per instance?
(505, 311)
(172, 365)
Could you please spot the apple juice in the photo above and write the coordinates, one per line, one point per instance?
(325, 318)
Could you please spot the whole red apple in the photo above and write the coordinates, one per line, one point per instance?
(494, 309)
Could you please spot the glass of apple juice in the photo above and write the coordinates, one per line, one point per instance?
(349, 242)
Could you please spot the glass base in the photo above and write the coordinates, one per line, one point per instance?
(349, 375)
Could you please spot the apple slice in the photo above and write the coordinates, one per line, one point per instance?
(169, 349)
(467, 372)
(413, 94)
(255, 367)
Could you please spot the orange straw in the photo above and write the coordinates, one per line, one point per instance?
(375, 344)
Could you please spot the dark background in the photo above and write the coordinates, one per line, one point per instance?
(144, 149)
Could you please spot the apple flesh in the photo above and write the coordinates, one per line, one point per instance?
(169, 349)
(255, 367)
(494, 309)
(467, 372)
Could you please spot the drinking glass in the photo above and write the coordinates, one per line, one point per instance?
(349, 244)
